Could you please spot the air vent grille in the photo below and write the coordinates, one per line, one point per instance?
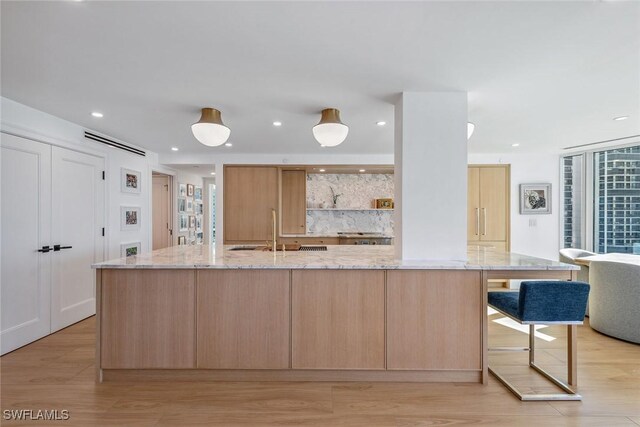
(113, 144)
(312, 248)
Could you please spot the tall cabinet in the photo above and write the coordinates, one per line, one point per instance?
(488, 206)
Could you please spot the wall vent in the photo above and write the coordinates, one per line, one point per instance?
(601, 142)
(113, 144)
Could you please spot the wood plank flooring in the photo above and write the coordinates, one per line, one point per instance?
(57, 372)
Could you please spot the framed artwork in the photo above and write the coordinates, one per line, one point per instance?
(197, 193)
(129, 217)
(189, 204)
(199, 238)
(535, 199)
(190, 190)
(130, 181)
(192, 236)
(192, 221)
(183, 222)
(129, 249)
(182, 205)
(200, 209)
(182, 190)
(182, 240)
(198, 223)
(384, 203)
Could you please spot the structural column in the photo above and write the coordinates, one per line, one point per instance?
(431, 176)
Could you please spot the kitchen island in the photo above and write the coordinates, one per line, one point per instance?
(349, 313)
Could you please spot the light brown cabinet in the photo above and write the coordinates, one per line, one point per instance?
(243, 319)
(337, 319)
(294, 203)
(148, 319)
(427, 325)
(250, 195)
(488, 204)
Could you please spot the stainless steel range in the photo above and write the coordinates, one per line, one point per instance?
(357, 238)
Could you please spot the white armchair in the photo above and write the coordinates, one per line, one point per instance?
(615, 299)
(569, 255)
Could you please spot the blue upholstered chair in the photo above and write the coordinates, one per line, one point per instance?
(545, 303)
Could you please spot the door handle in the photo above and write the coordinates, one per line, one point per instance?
(44, 249)
(477, 221)
(484, 223)
(56, 248)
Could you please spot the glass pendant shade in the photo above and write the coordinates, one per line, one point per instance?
(470, 128)
(330, 131)
(210, 130)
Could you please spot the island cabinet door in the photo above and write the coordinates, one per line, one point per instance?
(243, 319)
(337, 319)
(434, 320)
(148, 319)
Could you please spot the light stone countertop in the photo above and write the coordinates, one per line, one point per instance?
(336, 257)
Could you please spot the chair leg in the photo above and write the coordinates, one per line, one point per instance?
(571, 366)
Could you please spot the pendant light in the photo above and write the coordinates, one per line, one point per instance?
(210, 130)
(330, 131)
(470, 128)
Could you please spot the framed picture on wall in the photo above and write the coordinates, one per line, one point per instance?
(197, 193)
(535, 199)
(130, 249)
(182, 240)
(198, 223)
(129, 217)
(189, 190)
(130, 181)
(192, 221)
(200, 209)
(182, 205)
(183, 222)
(182, 190)
(189, 204)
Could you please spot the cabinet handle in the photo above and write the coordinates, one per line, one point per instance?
(56, 248)
(477, 221)
(484, 228)
(45, 249)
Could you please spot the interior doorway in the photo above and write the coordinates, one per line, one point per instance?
(161, 197)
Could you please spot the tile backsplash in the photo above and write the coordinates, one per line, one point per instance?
(356, 191)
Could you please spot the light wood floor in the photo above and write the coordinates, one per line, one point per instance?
(57, 372)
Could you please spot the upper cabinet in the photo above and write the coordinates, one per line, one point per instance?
(250, 196)
(488, 204)
(294, 203)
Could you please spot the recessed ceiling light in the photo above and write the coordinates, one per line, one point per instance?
(213, 173)
(277, 123)
(174, 148)
(620, 118)
(322, 170)
(381, 123)
(515, 145)
(362, 170)
(228, 144)
(97, 114)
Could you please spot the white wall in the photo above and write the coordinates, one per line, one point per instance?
(21, 120)
(543, 239)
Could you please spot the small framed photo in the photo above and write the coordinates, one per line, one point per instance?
(197, 193)
(384, 203)
(182, 190)
(190, 190)
(198, 223)
(535, 199)
(189, 204)
(192, 221)
(129, 217)
(182, 240)
(199, 238)
(130, 181)
(129, 249)
(183, 222)
(182, 205)
(200, 209)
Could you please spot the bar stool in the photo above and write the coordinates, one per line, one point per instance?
(545, 303)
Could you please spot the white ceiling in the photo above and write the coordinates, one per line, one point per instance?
(541, 74)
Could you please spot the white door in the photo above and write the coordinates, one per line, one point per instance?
(77, 218)
(25, 228)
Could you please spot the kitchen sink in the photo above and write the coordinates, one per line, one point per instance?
(290, 249)
(244, 248)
